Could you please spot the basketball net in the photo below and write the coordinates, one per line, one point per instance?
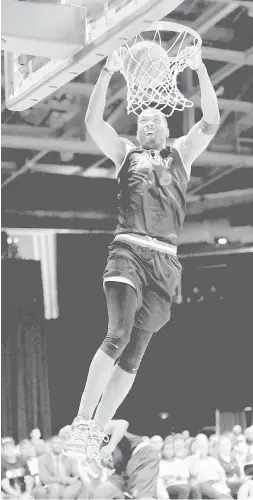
(162, 91)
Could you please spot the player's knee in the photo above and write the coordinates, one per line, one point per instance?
(115, 342)
(129, 365)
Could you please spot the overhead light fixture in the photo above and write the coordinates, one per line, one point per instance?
(222, 241)
(164, 415)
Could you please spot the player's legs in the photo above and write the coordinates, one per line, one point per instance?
(123, 376)
(121, 305)
(119, 385)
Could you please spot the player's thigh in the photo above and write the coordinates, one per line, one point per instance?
(154, 313)
(121, 300)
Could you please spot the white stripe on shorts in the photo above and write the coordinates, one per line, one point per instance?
(147, 241)
(120, 279)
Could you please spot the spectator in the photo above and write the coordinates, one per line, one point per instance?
(213, 441)
(185, 435)
(208, 478)
(248, 433)
(56, 473)
(135, 463)
(41, 447)
(157, 443)
(180, 450)
(65, 432)
(35, 436)
(173, 475)
(246, 490)
(237, 432)
(229, 464)
(14, 473)
(168, 439)
(28, 456)
(7, 439)
(241, 451)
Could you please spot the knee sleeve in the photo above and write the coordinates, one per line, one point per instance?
(132, 355)
(115, 342)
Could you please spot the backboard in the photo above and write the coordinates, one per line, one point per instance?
(48, 44)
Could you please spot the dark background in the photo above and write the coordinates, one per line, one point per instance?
(200, 361)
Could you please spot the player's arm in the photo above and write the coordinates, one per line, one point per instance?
(201, 134)
(101, 132)
(117, 429)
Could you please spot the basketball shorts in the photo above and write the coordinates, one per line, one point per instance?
(153, 269)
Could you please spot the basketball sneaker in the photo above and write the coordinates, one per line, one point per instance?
(95, 440)
(75, 446)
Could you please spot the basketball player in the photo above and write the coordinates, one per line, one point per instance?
(143, 270)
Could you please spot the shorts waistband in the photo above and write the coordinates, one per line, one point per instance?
(147, 241)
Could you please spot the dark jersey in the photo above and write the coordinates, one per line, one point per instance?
(152, 190)
(124, 451)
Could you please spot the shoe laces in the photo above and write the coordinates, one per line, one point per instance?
(80, 428)
(96, 437)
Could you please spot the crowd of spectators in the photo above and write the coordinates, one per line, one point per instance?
(179, 466)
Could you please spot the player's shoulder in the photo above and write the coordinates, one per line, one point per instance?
(178, 143)
(129, 145)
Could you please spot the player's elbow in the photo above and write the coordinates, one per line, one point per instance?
(124, 424)
(93, 115)
(216, 117)
(89, 119)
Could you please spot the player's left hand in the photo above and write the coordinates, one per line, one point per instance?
(194, 61)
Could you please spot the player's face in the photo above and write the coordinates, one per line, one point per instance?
(152, 130)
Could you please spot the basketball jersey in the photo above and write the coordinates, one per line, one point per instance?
(152, 191)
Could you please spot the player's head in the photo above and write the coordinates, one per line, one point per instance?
(152, 129)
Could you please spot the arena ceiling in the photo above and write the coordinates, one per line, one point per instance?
(50, 164)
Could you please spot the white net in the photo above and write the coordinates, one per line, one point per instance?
(151, 71)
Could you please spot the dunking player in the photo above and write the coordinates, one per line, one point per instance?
(142, 269)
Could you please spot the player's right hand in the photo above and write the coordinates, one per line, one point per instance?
(113, 62)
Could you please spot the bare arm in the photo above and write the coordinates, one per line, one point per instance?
(117, 429)
(101, 132)
(201, 134)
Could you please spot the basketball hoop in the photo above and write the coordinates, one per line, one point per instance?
(151, 70)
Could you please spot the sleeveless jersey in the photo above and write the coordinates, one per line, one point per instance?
(152, 190)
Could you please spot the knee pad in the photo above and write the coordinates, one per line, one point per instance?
(115, 342)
